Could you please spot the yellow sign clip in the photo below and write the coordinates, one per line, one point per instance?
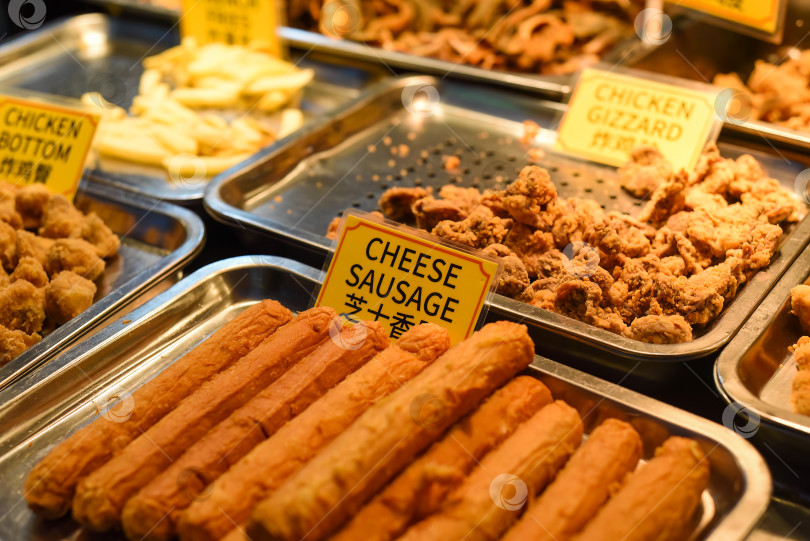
(398, 276)
(44, 143)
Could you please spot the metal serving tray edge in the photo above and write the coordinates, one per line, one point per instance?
(596, 342)
(121, 295)
(51, 403)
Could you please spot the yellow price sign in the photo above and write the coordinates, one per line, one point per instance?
(399, 277)
(761, 15)
(44, 143)
(235, 22)
(611, 113)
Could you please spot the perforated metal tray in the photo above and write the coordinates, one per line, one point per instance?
(53, 403)
(294, 189)
(157, 240)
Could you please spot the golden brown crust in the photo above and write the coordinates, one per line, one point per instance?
(657, 500)
(231, 497)
(50, 485)
(101, 496)
(152, 513)
(492, 497)
(421, 489)
(611, 452)
(388, 436)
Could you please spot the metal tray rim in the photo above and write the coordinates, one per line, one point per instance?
(726, 377)
(79, 326)
(741, 518)
(719, 335)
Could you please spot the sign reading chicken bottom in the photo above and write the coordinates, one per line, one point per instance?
(401, 277)
(610, 113)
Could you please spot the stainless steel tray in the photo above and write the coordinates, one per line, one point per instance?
(157, 240)
(51, 404)
(756, 369)
(723, 51)
(293, 190)
(97, 53)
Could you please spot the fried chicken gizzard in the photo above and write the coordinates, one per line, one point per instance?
(50, 255)
(657, 277)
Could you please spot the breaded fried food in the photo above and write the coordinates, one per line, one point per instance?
(12, 343)
(68, 295)
(9, 215)
(50, 486)
(30, 202)
(396, 202)
(151, 515)
(101, 496)
(22, 307)
(8, 247)
(30, 269)
(60, 219)
(97, 233)
(30, 245)
(336, 483)
(611, 451)
(232, 497)
(800, 392)
(800, 305)
(75, 255)
(486, 505)
(658, 499)
(422, 488)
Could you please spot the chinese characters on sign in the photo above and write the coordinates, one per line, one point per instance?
(611, 113)
(387, 274)
(43, 143)
(234, 22)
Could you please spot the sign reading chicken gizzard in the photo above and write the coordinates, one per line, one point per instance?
(611, 113)
(233, 22)
(401, 277)
(44, 143)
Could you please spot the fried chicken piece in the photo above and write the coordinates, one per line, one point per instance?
(530, 245)
(30, 269)
(12, 343)
(527, 198)
(631, 291)
(4, 278)
(762, 244)
(9, 214)
(429, 212)
(801, 351)
(800, 392)
(661, 329)
(644, 171)
(30, 245)
(396, 203)
(22, 307)
(673, 265)
(493, 199)
(75, 255)
(667, 199)
(513, 278)
(572, 217)
(8, 246)
(581, 299)
(30, 202)
(68, 295)
(60, 219)
(96, 232)
(774, 201)
(800, 305)
(478, 230)
(464, 198)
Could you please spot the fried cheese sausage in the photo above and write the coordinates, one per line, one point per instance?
(268, 465)
(50, 486)
(387, 437)
(101, 496)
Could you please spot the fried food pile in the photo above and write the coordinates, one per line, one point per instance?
(178, 122)
(542, 36)
(274, 428)
(654, 277)
(776, 93)
(50, 254)
(800, 390)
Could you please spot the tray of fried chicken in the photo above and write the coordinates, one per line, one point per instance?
(766, 368)
(643, 262)
(297, 426)
(66, 266)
